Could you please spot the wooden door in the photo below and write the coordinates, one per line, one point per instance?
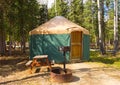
(76, 45)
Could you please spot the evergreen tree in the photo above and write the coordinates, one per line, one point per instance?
(101, 26)
(17, 18)
(76, 12)
(115, 26)
(109, 23)
(61, 9)
(43, 14)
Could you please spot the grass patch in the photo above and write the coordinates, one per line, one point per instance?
(107, 59)
(116, 64)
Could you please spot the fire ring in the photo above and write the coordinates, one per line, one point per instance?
(59, 75)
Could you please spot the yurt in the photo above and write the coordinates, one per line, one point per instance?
(57, 32)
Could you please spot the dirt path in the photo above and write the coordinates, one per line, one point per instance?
(83, 74)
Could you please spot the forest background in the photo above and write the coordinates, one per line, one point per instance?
(100, 17)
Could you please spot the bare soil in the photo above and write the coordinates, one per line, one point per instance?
(14, 72)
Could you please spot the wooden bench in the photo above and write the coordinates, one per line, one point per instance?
(39, 60)
(29, 63)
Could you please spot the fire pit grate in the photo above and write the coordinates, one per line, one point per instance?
(62, 75)
(58, 75)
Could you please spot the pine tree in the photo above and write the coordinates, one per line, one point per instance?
(101, 26)
(115, 26)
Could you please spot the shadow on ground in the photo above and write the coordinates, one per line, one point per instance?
(12, 64)
(33, 76)
(75, 79)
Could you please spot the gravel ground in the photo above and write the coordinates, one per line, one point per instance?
(83, 74)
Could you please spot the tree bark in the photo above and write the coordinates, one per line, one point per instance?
(2, 33)
(10, 44)
(101, 26)
(21, 23)
(55, 8)
(115, 27)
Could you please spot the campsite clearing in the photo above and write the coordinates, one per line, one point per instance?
(85, 73)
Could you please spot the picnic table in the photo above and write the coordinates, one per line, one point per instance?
(39, 60)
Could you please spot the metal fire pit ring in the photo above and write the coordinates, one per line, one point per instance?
(58, 75)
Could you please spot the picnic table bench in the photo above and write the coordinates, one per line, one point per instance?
(39, 60)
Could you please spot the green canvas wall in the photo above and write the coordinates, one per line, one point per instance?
(48, 44)
(86, 48)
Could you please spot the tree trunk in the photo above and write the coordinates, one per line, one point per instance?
(2, 34)
(115, 27)
(10, 44)
(22, 31)
(101, 26)
(55, 8)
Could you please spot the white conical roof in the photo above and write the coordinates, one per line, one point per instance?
(58, 25)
